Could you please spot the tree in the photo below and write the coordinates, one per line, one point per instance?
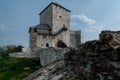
(14, 48)
(3, 52)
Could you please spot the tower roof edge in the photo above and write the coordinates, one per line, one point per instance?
(56, 5)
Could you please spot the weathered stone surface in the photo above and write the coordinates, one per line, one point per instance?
(50, 55)
(53, 71)
(111, 37)
(75, 38)
(94, 59)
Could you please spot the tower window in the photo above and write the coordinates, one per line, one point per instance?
(59, 16)
(35, 30)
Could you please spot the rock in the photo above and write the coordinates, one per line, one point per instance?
(54, 71)
(111, 37)
(26, 68)
(92, 60)
(57, 77)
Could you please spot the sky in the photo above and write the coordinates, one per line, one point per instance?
(89, 16)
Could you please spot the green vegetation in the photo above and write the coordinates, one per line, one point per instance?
(5, 50)
(14, 48)
(17, 68)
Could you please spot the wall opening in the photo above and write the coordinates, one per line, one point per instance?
(35, 30)
(47, 45)
(61, 44)
(60, 17)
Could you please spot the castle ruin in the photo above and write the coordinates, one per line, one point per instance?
(54, 29)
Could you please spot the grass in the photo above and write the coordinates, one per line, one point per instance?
(17, 68)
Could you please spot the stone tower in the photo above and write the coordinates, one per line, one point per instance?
(54, 28)
(57, 17)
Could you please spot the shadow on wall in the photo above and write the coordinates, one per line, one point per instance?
(61, 44)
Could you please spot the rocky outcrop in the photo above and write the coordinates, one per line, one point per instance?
(54, 71)
(95, 59)
(111, 37)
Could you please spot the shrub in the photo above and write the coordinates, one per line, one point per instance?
(3, 52)
(13, 48)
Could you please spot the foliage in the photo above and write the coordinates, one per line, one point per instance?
(9, 49)
(3, 52)
(17, 68)
(13, 48)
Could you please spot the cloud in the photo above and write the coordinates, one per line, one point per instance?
(84, 19)
(2, 28)
(73, 23)
(88, 30)
(23, 43)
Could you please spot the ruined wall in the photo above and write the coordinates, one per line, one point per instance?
(95, 59)
(110, 37)
(50, 55)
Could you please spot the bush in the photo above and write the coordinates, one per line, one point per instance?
(3, 52)
(9, 49)
(13, 48)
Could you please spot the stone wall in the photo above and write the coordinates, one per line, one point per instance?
(50, 55)
(33, 39)
(24, 55)
(95, 59)
(60, 19)
(75, 38)
(46, 16)
(43, 40)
